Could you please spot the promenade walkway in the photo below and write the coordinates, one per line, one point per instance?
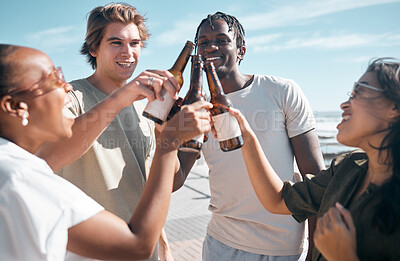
(188, 215)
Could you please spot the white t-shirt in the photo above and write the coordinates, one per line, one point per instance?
(277, 110)
(37, 207)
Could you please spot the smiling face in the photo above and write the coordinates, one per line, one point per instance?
(118, 52)
(365, 114)
(45, 94)
(218, 45)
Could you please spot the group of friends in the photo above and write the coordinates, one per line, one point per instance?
(106, 202)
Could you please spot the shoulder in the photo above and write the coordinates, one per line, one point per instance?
(17, 173)
(84, 96)
(15, 161)
(357, 157)
(81, 87)
(276, 83)
(80, 83)
(275, 80)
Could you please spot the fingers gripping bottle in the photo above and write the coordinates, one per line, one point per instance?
(226, 125)
(158, 110)
(194, 94)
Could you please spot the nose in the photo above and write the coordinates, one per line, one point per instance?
(212, 46)
(67, 87)
(345, 105)
(127, 50)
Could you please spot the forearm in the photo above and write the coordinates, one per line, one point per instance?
(266, 183)
(150, 215)
(164, 251)
(86, 129)
(163, 241)
(185, 162)
(312, 221)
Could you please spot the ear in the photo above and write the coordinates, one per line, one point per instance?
(394, 113)
(241, 52)
(13, 107)
(93, 53)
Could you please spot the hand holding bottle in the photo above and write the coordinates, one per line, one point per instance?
(158, 110)
(244, 125)
(148, 84)
(226, 126)
(192, 120)
(194, 94)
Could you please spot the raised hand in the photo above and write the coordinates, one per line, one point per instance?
(190, 121)
(147, 84)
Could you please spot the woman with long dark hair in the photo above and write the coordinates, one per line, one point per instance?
(357, 199)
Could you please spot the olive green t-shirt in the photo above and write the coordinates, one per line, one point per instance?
(112, 171)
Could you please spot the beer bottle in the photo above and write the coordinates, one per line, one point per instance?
(226, 125)
(194, 94)
(175, 108)
(158, 110)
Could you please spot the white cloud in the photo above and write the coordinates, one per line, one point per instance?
(300, 12)
(337, 41)
(292, 13)
(56, 39)
(180, 33)
(355, 60)
(262, 39)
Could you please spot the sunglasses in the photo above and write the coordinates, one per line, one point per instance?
(358, 89)
(53, 80)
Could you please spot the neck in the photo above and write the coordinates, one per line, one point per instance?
(19, 137)
(235, 81)
(106, 85)
(378, 170)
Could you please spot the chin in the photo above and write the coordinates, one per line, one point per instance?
(68, 134)
(341, 139)
(346, 142)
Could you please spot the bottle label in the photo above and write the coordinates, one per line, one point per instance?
(199, 138)
(227, 126)
(160, 109)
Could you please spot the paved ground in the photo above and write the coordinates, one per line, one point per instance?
(188, 215)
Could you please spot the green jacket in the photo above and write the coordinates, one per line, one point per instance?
(339, 183)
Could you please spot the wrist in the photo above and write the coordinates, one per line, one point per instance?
(120, 98)
(167, 142)
(249, 137)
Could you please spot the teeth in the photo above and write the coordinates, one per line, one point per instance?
(213, 58)
(124, 64)
(347, 117)
(67, 113)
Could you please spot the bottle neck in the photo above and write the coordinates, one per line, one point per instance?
(183, 58)
(213, 81)
(196, 83)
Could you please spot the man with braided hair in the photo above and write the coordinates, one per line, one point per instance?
(281, 117)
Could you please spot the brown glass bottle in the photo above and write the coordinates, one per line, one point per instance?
(194, 94)
(175, 108)
(226, 125)
(158, 110)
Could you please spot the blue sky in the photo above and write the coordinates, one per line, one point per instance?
(324, 45)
